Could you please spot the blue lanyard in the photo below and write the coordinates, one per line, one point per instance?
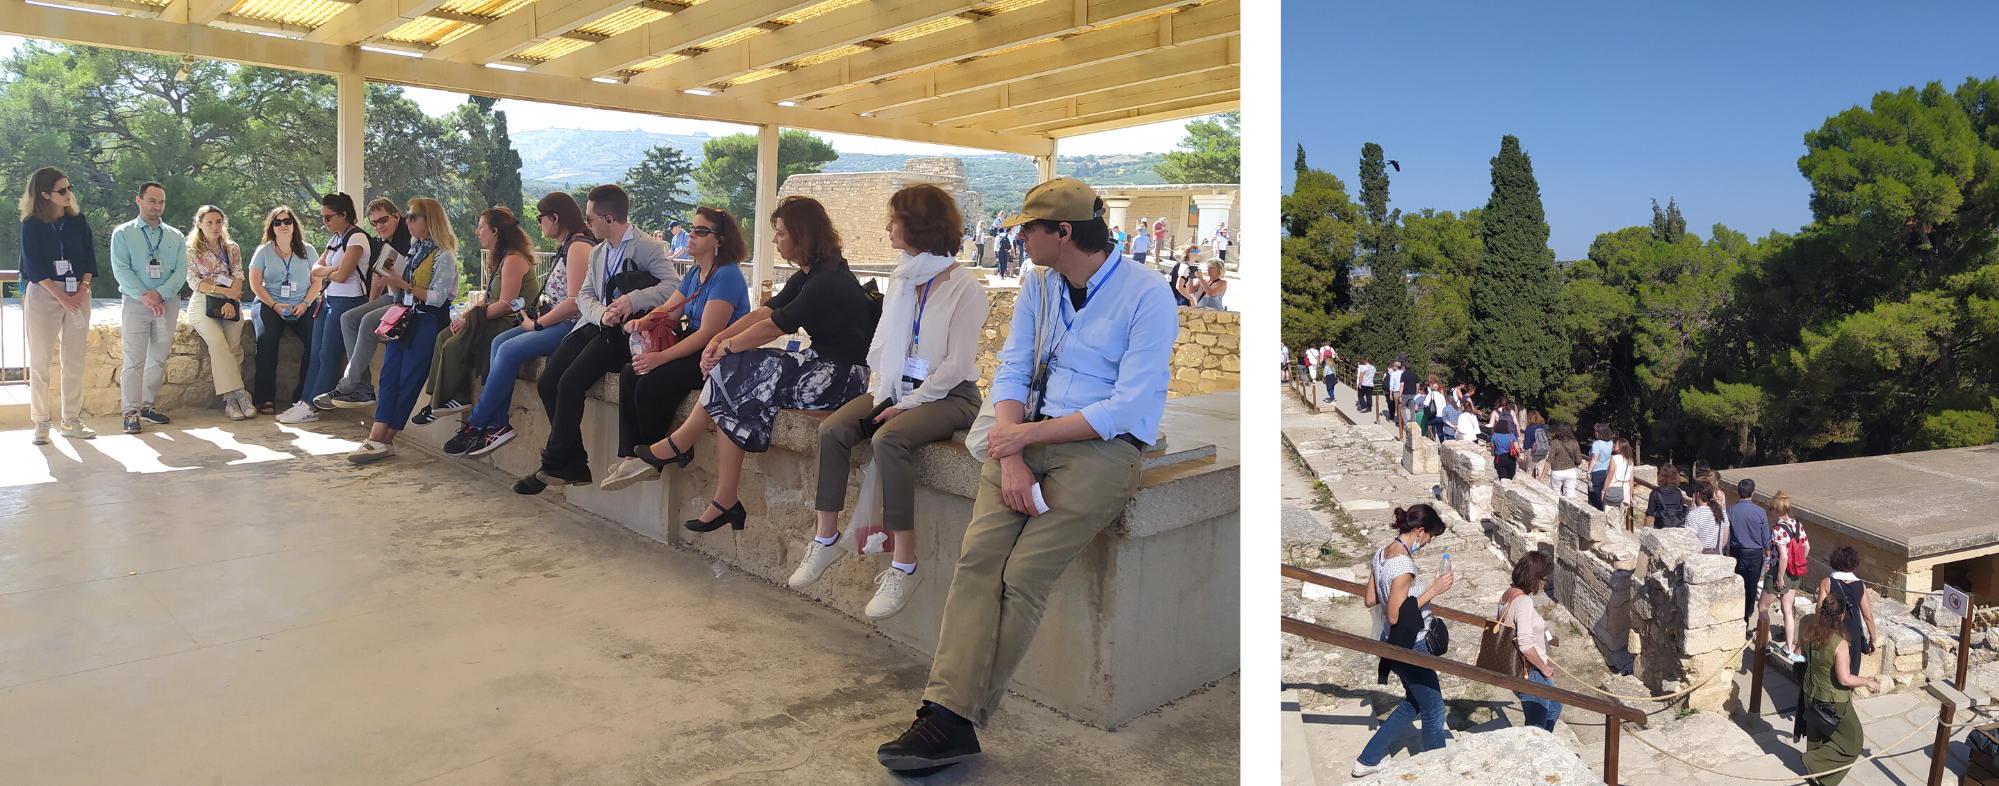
(152, 246)
(1068, 320)
(612, 259)
(916, 327)
(62, 249)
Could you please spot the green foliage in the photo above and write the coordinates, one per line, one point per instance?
(1957, 428)
(1322, 227)
(1388, 327)
(1738, 407)
(1515, 342)
(1668, 226)
(1210, 153)
(727, 176)
(657, 184)
(1442, 249)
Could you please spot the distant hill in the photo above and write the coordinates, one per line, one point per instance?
(565, 158)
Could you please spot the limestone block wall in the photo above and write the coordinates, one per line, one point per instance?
(858, 201)
(190, 381)
(1208, 357)
(1687, 614)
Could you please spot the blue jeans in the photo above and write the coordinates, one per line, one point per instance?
(510, 350)
(329, 346)
(406, 366)
(1539, 711)
(1424, 698)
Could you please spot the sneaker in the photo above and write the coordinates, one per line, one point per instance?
(154, 416)
(131, 421)
(1361, 770)
(491, 440)
(818, 558)
(322, 401)
(465, 439)
(300, 412)
(74, 429)
(354, 400)
(938, 739)
(41, 432)
(232, 408)
(371, 452)
(530, 485)
(424, 417)
(631, 470)
(892, 588)
(579, 476)
(448, 407)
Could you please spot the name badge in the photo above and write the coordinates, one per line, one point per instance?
(791, 346)
(285, 291)
(223, 281)
(69, 285)
(154, 270)
(409, 299)
(916, 368)
(62, 267)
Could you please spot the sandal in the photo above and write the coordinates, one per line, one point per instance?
(267, 409)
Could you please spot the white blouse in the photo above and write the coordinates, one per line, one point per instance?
(947, 338)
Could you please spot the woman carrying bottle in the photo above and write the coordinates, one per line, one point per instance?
(282, 281)
(425, 287)
(540, 332)
(510, 286)
(925, 358)
(747, 385)
(58, 259)
(713, 296)
(214, 265)
(1394, 585)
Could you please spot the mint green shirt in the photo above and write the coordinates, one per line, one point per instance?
(134, 245)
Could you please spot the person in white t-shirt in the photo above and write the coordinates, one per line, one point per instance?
(1467, 426)
(1364, 376)
(1327, 370)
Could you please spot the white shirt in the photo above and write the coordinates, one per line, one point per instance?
(1467, 427)
(953, 316)
(1366, 372)
(335, 250)
(1311, 356)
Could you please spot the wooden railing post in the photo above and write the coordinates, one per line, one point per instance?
(1612, 729)
(1756, 662)
(1942, 747)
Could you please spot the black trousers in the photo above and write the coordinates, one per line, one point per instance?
(1749, 565)
(646, 402)
(1504, 464)
(271, 329)
(584, 357)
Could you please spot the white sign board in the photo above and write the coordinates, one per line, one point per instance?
(1955, 601)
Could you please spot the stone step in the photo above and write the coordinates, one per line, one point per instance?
(1164, 454)
(1295, 754)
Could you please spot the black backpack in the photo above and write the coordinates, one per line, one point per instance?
(1671, 514)
(875, 299)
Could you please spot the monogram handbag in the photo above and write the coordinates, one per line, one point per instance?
(1499, 651)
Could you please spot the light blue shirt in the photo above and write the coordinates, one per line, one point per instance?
(134, 245)
(678, 247)
(277, 271)
(1141, 243)
(1599, 452)
(1111, 361)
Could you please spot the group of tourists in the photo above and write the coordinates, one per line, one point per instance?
(1069, 420)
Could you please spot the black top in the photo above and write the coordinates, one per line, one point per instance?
(828, 303)
(43, 243)
(1665, 496)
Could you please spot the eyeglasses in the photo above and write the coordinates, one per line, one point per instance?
(540, 216)
(701, 232)
(412, 216)
(325, 217)
(283, 222)
(381, 220)
(63, 191)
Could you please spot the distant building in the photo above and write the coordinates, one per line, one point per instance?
(1192, 210)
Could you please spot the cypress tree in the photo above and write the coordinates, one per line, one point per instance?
(1516, 344)
(1388, 318)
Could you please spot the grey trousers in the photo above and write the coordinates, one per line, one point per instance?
(357, 331)
(895, 450)
(148, 340)
(1010, 562)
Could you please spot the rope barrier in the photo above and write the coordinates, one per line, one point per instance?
(1791, 779)
(1668, 697)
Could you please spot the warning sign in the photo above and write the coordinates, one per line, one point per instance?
(1955, 601)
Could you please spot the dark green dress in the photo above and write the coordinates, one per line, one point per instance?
(1843, 747)
(458, 356)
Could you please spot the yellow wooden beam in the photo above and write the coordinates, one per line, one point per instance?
(531, 24)
(201, 12)
(1152, 66)
(370, 19)
(666, 36)
(817, 35)
(1225, 82)
(17, 17)
(1142, 117)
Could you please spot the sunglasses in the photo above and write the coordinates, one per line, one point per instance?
(63, 191)
(540, 216)
(412, 216)
(701, 232)
(325, 217)
(380, 221)
(283, 222)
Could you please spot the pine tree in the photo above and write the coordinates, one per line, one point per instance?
(1517, 345)
(1388, 326)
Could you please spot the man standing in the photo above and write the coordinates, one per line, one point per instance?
(1394, 397)
(979, 236)
(1311, 368)
(1748, 539)
(1222, 243)
(1364, 380)
(149, 260)
(1057, 473)
(1328, 371)
(1159, 235)
(678, 251)
(1141, 243)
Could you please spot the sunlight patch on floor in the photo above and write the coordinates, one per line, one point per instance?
(134, 453)
(252, 454)
(22, 463)
(317, 444)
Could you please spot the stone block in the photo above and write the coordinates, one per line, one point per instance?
(1708, 568)
(1667, 549)
(182, 369)
(1580, 521)
(1712, 603)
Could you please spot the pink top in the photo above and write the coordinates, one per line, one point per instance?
(1531, 630)
(211, 266)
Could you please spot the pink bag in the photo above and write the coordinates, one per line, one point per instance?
(395, 322)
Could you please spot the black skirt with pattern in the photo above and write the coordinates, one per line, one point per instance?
(746, 389)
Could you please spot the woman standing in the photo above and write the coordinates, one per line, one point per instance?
(1394, 585)
(58, 259)
(541, 331)
(1599, 467)
(510, 286)
(428, 282)
(1859, 625)
(1667, 507)
(1516, 608)
(1831, 674)
(1617, 488)
(1564, 456)
(747, 385)
(1503, 461)
(713, 296)
(214, 265)
(1788, 546)
(1535, 449)
(925, 388)
(1707, 519)
(281, 279)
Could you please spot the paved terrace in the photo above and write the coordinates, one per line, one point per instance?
(220, 602)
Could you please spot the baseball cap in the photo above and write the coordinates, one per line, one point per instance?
(1060, 199)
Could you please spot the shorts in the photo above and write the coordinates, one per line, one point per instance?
(1777, 581)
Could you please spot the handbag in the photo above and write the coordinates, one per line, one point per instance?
(1498, 649)
(1613, 495)
(1439, 636)
(214, 308)
(982, 426)
(395, 322)
(1822, 717)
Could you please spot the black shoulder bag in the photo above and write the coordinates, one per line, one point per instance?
(630, 278)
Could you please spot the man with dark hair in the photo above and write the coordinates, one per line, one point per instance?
(678, 245)
(1062, 458)
(629, 276)
(1748, 539)
(149, 259)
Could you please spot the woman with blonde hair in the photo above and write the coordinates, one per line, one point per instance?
(1785, 568)
(215, 273)
(58, 259)
(427, 283)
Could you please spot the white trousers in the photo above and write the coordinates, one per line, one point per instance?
(225, 347)
(1564, 481)
(48, 324)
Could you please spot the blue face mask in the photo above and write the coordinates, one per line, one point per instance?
(1412, 549)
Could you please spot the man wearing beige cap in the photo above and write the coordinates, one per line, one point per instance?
(1063, 457)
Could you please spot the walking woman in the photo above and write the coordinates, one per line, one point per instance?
(1599, 466)
(1859, 626)
(1831, 674)
(1394, 585)
(1503, 461)
(214, 272)
(1785, 569)
(541, 330)
(428, 282)
(1667, 507)
(747, 385)
(1564, 456)
(1707, 519)
(510, 286)
(58, 260)
(712, 296)
(1516, 608)
(1535, 448)
(925, 355)
(282, 281)
(1617, 489)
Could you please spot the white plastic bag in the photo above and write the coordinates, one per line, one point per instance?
(864, 533)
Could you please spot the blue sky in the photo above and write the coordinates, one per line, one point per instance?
(1617, 103)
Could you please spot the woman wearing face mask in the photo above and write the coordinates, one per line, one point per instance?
(214, 269)
(1394, 585)
(1516, 608)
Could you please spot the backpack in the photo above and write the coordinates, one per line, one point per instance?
(1795, 563)
(1672, 515)
(875, 299)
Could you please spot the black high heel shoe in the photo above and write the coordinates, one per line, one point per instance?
(680, 458)
(734, 516)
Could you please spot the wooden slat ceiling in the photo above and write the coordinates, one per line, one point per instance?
(1047, 68)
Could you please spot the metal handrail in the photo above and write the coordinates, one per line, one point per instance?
(1614, 715)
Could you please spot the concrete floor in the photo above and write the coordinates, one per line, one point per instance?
(217, 602)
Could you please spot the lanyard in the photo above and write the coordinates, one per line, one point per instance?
(62, 249)
(916, 327)
(612, 259)
(1068, 320)
(152, 246)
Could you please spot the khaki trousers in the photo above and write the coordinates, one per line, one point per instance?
(896, 443)
(47, 323)
(148, 341)
(1010, 562)
(225, 348)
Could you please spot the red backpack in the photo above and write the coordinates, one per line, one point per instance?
(1796, 563)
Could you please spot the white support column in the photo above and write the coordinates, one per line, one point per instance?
(1115, 210)
(1214, 210)
(1046, 164)
(351, 95)
(766, 254)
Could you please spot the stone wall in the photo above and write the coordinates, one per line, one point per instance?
(858, 202)
(1208, 356)
(190, 381)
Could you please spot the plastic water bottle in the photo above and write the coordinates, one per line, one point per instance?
(1446, 569)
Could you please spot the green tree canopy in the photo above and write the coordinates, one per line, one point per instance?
(1321, 227)
(1515, 344)
(1388, 327)
(657, 186)
(1210, 153)
(727, 176)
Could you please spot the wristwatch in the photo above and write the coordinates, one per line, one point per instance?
(726, 349)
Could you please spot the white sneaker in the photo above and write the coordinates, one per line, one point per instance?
(817, 559)
(371, 451)
(42, 432)
(74, 429)
(892, 588)
(1361, 770)
(300, 412)
(631, 470)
